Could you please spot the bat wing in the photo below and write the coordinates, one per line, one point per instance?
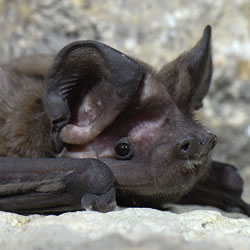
(222, 188)
(41, 185)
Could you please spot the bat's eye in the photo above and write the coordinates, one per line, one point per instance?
(123, 149)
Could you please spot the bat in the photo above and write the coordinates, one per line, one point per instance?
(91, 127)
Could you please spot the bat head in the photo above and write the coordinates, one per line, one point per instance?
(140, 122)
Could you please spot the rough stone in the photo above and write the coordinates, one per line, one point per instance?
(131, 228)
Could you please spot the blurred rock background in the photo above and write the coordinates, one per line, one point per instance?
(154, 31)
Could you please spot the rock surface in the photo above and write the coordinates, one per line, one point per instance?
(131, 228)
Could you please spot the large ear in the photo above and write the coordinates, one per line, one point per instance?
(87, 87)
(188, 77)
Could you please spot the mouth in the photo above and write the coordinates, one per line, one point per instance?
(178, 179)
(193, 167)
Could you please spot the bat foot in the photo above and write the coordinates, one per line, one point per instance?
(102, 203)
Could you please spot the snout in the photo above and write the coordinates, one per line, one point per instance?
(194, 147)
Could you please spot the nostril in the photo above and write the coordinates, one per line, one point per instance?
(203, 142)
(187, 148)
(184, 147)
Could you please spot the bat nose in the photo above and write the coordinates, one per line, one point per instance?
(192, 147)
(210, 141)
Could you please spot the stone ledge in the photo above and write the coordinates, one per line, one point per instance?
(130, 228)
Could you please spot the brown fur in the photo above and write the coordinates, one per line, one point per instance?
(24, 125)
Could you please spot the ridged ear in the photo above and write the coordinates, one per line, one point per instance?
(188, 77)
(87, 87)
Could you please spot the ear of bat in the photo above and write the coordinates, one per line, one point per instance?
(188, 77)
(78, 68)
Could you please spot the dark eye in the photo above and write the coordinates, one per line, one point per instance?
(123, 149)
